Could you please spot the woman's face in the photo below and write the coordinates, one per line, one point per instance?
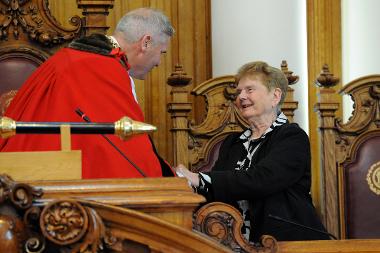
(254, 100)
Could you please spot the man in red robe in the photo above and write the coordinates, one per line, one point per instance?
(94, 74)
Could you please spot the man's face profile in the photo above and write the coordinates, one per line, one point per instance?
(149, 57)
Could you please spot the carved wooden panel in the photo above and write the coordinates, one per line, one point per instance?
(56, 223)
(31, 19)
(223, 223)
(80, 225)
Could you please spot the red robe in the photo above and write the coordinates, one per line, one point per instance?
(100, 86)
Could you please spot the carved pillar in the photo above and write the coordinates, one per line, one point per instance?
(326, 107)
(289, 105)
(95, 13)
(179, 109)
(324, 46)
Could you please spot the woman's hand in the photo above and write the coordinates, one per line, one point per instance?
(182, 171)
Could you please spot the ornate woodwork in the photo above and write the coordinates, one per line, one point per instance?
(223, 223)
(32, 223)
(197, 143)
(124, 216)
(350, 161)
(170, 199)
(32, 19)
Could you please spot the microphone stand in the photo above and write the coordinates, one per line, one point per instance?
(300, 225)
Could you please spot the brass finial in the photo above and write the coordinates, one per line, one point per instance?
(7, 127)
(126, 127)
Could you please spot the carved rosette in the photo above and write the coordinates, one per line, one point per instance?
(223, 223)
(77, 226)
(34, 18)
(67, 223)
(64, 222)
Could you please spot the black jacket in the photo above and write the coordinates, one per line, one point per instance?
(277, 183)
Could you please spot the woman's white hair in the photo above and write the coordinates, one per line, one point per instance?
(139, 22)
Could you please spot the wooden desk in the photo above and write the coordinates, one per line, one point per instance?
(170, 199)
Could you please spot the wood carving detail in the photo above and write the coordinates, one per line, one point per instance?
(223, 223)
(19, 195)
(64, 223)
(326, 79)
(343, 144)
(365, 93)
(79, 227)
(13, 197)
(25, 15)
(86, 226)
(292, 79)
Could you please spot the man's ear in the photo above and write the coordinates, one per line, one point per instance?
(146, 42)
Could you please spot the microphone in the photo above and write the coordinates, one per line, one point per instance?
(300, 225)
(87, 119)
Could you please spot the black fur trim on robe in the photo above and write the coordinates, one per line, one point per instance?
(94, 43)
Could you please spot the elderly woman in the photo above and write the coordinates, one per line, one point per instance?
(265, 170)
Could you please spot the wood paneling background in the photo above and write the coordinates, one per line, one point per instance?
(324, 47)
(190, 46)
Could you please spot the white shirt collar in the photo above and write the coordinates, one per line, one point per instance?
(280, 120)
(116, 44)
(113, 41)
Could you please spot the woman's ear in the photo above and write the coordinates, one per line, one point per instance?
(276, 96)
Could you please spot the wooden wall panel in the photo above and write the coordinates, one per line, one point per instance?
(190, 47)
(64, 10)
(324, 47)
